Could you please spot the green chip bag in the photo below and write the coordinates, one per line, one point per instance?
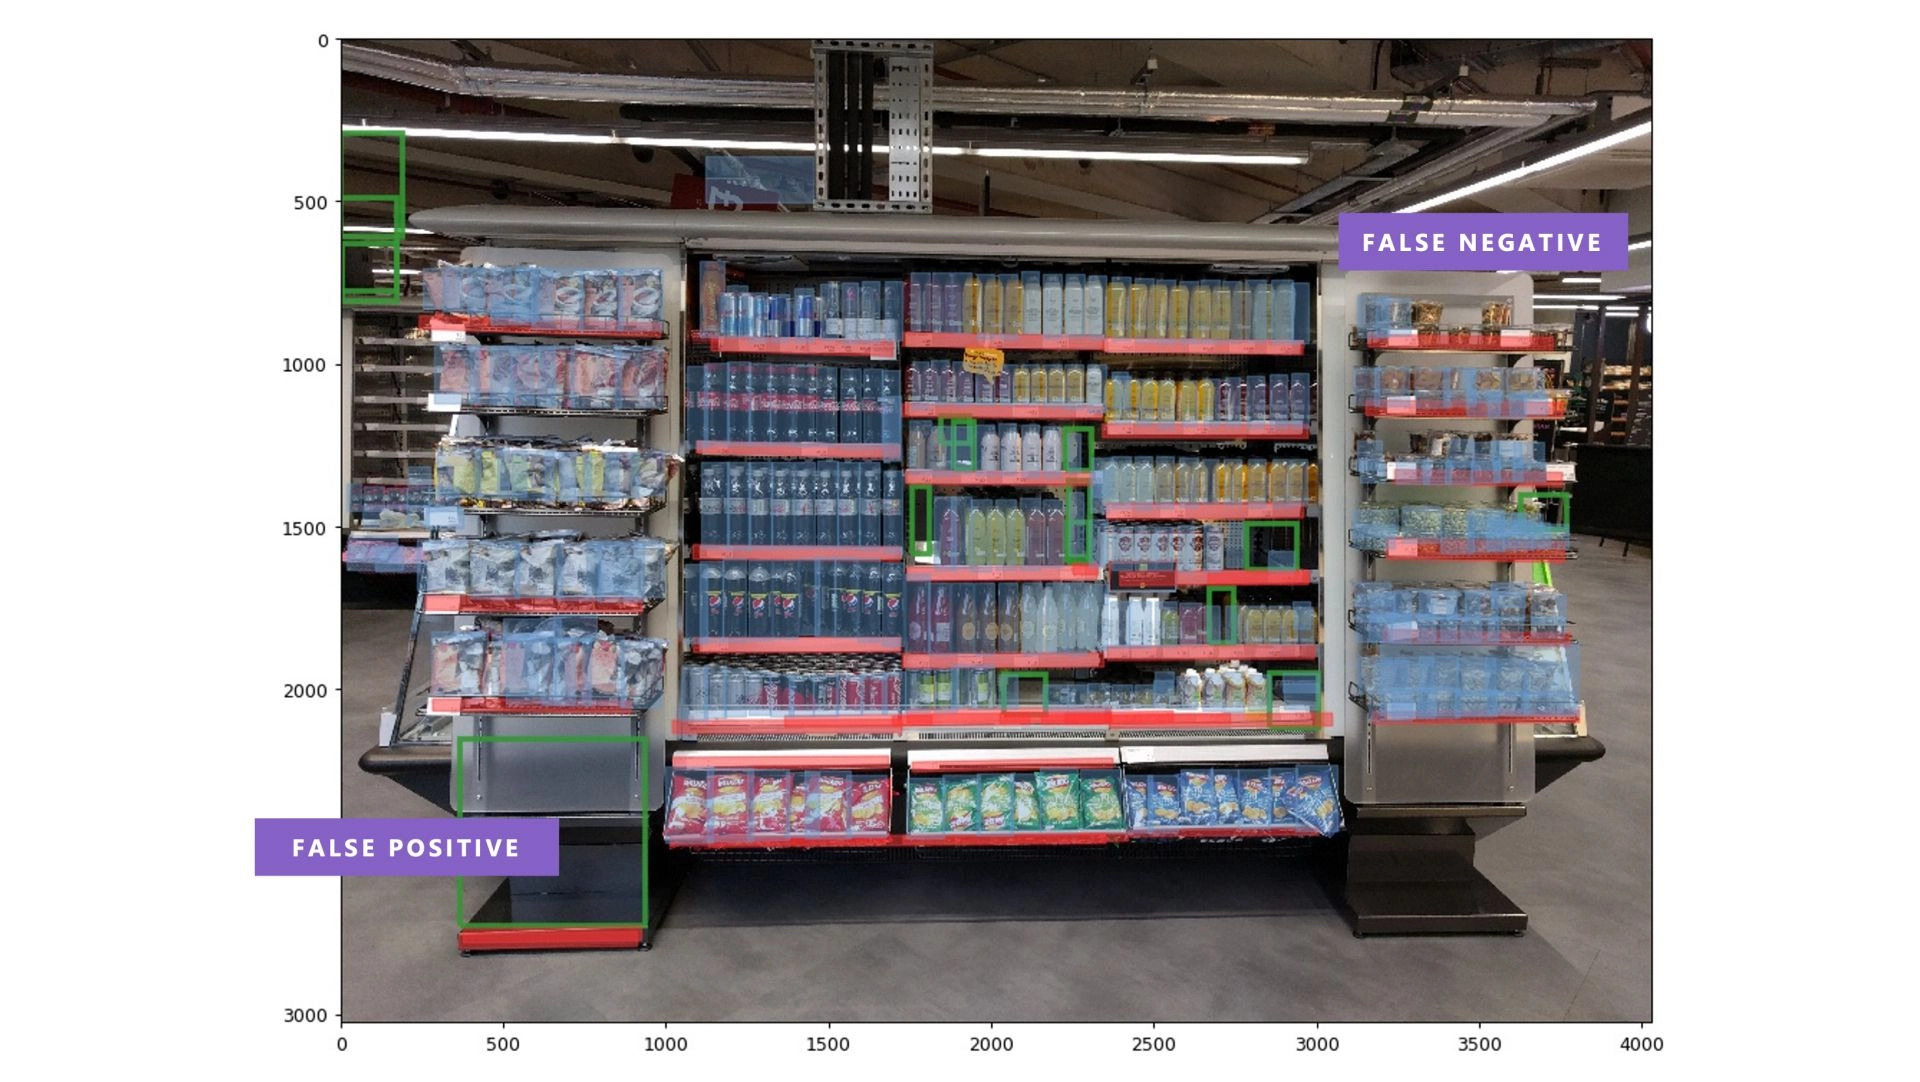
(1059, 799)
(962, 797)
(996, 802)
(923, 806)
(1026, 804)
(1100, 800)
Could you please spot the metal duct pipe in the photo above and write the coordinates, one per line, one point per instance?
(1173, 104)
(821, 232)
(1451, 163)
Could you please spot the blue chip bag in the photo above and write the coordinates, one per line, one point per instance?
(1313, 797)
(1163, 801)
(1196, 798)
(1226, 797)
(1136, 803)
(1256, 798)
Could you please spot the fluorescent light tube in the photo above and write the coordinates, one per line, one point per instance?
(1582, 280)
(389, 270)
(1639, 244)
(1566, 307)
(382, 229)
(1511, 175)
(1071, 154)
(1577, 297)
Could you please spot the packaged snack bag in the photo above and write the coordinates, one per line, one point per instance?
(443, 566)
(1059, 793)
(452, 369)
(1163, 801)
(797, 803)
(1256, 798)
(827, 803)
(491, 566)
(643, 378)
(1313, 798)
(924, 808)
(1136, 790)
(619, 466)
(592, 378)
(579, 568)
(1026, 803)
(687, 806)
(569, 680)
(494, 664)
(446, 664)
(1100, 801)
(639, 296)
(870, 813)
(996, 802)
(455, 472)
(603, 667)
(768, 812)
(602, 300)
(960, 798)
(1196, 798)
(538, 568)
(1226, 797)
(727, 802)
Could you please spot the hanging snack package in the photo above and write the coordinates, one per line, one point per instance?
(996, 802)
(924, 809)
(491, 565)
(493, 473)
(592, 378)
(590, 473)
(1314, 798)
(643, 378)
(687, 806)
(1136, 789)
(727, 806)
(768, 812)
(456, 471)
(653, 567)
(445, 667)
(797, 803)
(827, 802)
(1256, 798)
(639, 297)
(960, 800)
(1026, 803)
(538, 568)
(443, 566)
(650, 471)
(603, 667)
(619, 465)
(620, 569)
(452, 369)
(569, 678)
(1100, 801)
(1163, 801)
(1059, 794)
(1226, 797)
(1196, 798)
(868, 810)
(641, 669)
(602, 300)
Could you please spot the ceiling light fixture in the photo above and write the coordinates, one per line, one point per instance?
(1634, 246)
(611, 138)
(1538, 297)
(389, 270)
(1580, 280)
(382, 229)
(1573, 154)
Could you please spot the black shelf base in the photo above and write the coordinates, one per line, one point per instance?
(1403, 881)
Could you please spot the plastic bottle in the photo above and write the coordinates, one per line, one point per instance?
(1163, 482)
(1016, 535)
(1010, 615)
(1076, 385)
(1313, 482)
(1116, 307)
(968, 640)
(940, 631)
(1049, 620)
(1095, 384)
(1222, 310)
(890, 584)
(1168, 400)
(1136, 614)
(996, 536)
(989, 447)
(1056, 533)
(976, 535)
(989, 619)
(1050, 448)
(1029, 614)
(1200, 319)
(1110, 621)
(1177, 305)
(1010, 450)
(1030, 449)
(1170, 624)
(714, 600)
(950, 533)
(759, 613)
(1150, 622)
(1257, 482)
(736, 587)
(1022, 384)
(990, 304)
(970, 304)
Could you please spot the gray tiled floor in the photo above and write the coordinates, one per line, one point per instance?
(1164, 939)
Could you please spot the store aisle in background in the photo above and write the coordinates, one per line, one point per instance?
(1067, 939)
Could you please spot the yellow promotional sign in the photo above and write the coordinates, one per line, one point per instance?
(984, 362)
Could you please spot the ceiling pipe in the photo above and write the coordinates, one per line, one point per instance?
(1169, 104)
(1450, 164)
(857, 233)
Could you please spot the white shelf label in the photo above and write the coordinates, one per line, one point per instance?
(443, 518)
(1561, 470)
(442, 335)
(438, 402)
(1397, 471)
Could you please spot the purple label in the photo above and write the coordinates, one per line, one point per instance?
(1483, 242)
(406, 847)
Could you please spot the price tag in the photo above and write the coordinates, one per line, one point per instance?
(1539, 407)
(1398, 471)
(1403, 546)
(984, 362)
(448, 334)
(438, 402)
(1401, 405)
(443, 518)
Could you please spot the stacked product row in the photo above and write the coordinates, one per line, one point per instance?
(825, 503)
(560, 659)
(860, 309)
(771, 402)
(1006, 617)
(1494, 682)
(741, 599)
(1456, 612)
(1439, 458)
(722, 805)
(790, 686)
(548, 473)
(616, 299)
(552, 564)
(553, 377)
(1009, 448)
(1376, 526)
(1054, 383)
(1231, 686)
(1156, 620)
(1045, 800)
(1481, 390)
(1164, 479)
(1211, 546)
(1251, 797)
(1039, 302)
(1246, 396)
(976, 532)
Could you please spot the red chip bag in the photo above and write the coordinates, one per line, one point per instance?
(869, 813)
(687, 806)
(797, 806)
(827, 803)
(727, 803)
(770, 795)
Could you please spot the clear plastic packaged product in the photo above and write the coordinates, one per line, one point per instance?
(1059, 797)
(768, 812)
(686, 805)
(1136, 794)
(640, 296)
(1226, 798)
(1101, 801)
(729, 802)
(869, 808)
(1256, 798)
(444, 566)
(1026, 803)
(925, 810)
(491, 567)
(1197, 806)
(996, 802)
(1313, 797)
(538, 569)
(1163, 801)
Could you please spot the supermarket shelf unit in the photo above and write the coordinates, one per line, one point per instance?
(526, 755)
(1410, 865)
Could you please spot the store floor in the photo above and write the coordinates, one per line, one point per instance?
(1064, 938)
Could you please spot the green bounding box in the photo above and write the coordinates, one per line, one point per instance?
(1067, 436)
(958, 434)
(1565, 500)
(395, 203)
(1230, 634)
(1275, 676)
(920, 542)
(459, 809)
(1010, 691)
(1079, 527)
(1246, 542)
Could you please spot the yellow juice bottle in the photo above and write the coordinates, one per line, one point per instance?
(1138, 302)
(1222, 482)
(1117, 308)
(1022, 384)
(1222, 311)
(1203, 400)
(1257, 482)
(1168, 400)
(1076, 384)
(1056, 384)
(1146, 399)
(970, 305)
(1177, 303)
(1013, 305)
(1157, 309)
(1239, 492)
(1187, 403)
(1313, 482)
(990, 304)
(1200, 319)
